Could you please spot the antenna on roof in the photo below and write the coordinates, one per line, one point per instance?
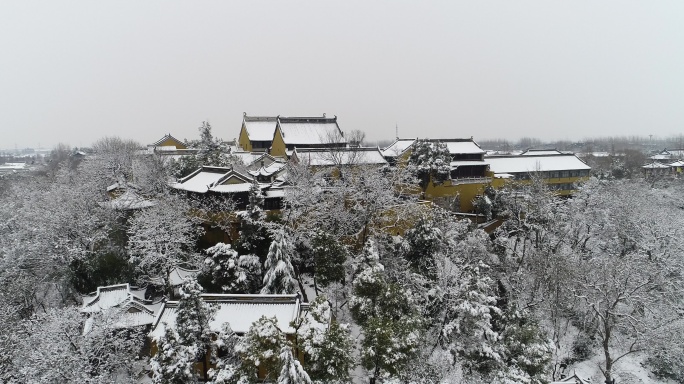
(396, 129)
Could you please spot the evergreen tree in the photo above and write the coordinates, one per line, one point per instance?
(429, 161)
(173, 363)
(231, 273)
(254, 238)
(260, 349)
(192, 318)
(291, 371)
(386, 315)
(227, 369)
(179, 349)
(424, 241)
(279, 277)
(326, 343)
(329, 256)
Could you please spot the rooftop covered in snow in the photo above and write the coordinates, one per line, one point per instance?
(310, 130)
(259, 128)
(535, 163)
(339, 156)
(240, 311)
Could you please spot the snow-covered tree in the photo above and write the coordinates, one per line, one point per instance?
(210, 151)
(327, 344)
(279, 275)
(386, 315)
(227, 369)
(429, 160)
(291, 371)
(329, 257)
(231, 273)
(162, 237)
(468, 331)
(180, 348)
(173, 363)
(424, 242)
(57, 349)
(259, 350)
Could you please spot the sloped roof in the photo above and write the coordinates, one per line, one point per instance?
(240, 311)
(398, 147)
(340, 156)
(678, 163)
(127, 201)
(455, 146)
(310, 130)
(655, 165)
(533, 163)
(111, 296)
(167, 137)
(461, 146)
(531, 151)
(268, 170)
(202, 179)
(259, 128)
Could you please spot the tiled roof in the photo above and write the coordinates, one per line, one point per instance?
(340, 156)
(533, 163)
(240, 311)
(310, 130)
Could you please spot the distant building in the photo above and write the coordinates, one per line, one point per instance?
(280, 135)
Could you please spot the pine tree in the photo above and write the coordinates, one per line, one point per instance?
(326, 343)
(260, 349)
(173, 363)
(329, 256)
(291, 371)
(430, 161)
(387, 316)
(231, 273)
(279, 277)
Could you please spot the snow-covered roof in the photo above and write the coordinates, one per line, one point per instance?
(248, 157)
(574, 379)
(240, 311)
(260, 128)
(655, 165)
(398, 147)
(310, 130)
(122, 185)
(178, 274)
(268, 170)
(462, 146)
(121, 305)
(202, 179)
(110, 296)
(231, 188)
(339, 156)
(128, 200)
(533, 163)
(678, 163)
(165, 138)
(456, 164)
(532, 152)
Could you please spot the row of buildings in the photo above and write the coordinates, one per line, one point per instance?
(266, 143)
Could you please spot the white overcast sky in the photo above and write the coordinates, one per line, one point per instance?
(75, 71)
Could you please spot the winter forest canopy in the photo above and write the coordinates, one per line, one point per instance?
(399, 290)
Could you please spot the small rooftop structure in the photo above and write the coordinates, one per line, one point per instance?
(121, 300)
(540, 152)
(240, 311)
(128, 200)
